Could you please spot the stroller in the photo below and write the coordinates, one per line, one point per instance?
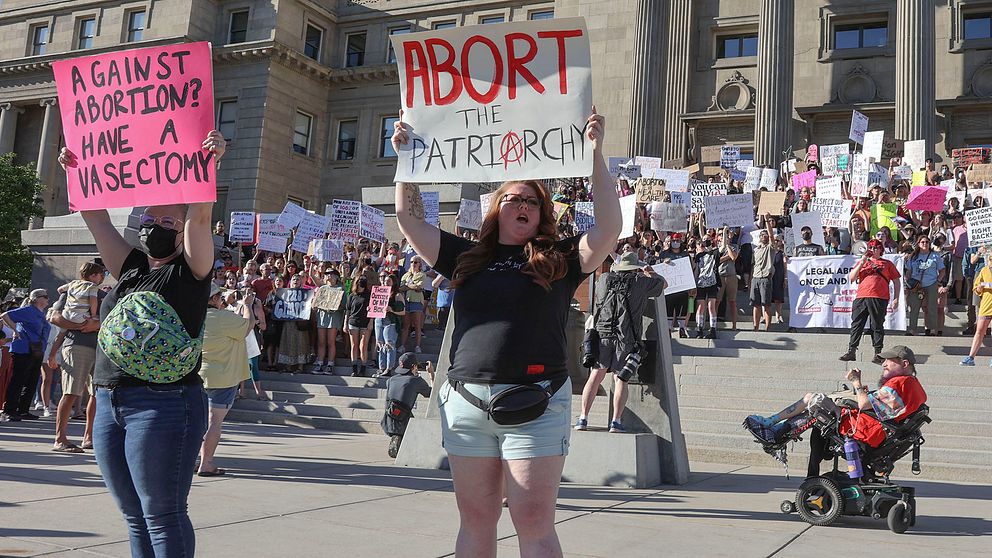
(821, 500)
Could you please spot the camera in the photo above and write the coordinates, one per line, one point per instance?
(630, 367)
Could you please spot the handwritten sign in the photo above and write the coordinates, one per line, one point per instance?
(834, 150)
(560, 209)
(684, 199)
(829, 188)
(702, 190)
(647, 164)
(735, 210)
(927, 198)
(615, 165)
(372, 223)
(291, 215)
(903, 172)
(979, 222)
(979, 173)
(729, 155)
(892, 147)
(668, 217)
(584, 217)
(485, 202)
(859, 125)
(648, 190)
(804, 180)
(242, 227)
(470, 214)
(630, 171)
(432, 207)
(379, 301)
(771, 202)
(328, 250)
(769, 178)
(327, 297)
(345, 216)
(916, 154)
(311, 226)
(292, 304)
(834, 212)
(872, 146)
(883, 215)
(752, 178)
(812, 153)
(678, 275)
(272, 237)
(135, 120)
(710, 153)
(676, 180)
(490, 103)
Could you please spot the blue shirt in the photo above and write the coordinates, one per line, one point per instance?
(925, 268)
(32, 327)
(971, 270)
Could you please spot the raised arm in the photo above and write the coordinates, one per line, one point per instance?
(598, 241)
(198, 242)
(425, 238)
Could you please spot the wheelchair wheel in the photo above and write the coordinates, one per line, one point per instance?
(819, 501)
(900, 518)
(787, 507)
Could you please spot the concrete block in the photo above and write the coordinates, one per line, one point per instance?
(422, 445)
(604, 459)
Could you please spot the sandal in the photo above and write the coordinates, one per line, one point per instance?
(67, 447)
(86, 445)
(214, 473)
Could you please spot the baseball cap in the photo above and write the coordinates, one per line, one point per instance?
(408, 361)
(899, 352)
(214, 289)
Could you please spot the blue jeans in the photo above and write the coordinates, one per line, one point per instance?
(385, 337)
(146, 440)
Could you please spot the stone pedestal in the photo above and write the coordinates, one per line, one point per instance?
(773, 105)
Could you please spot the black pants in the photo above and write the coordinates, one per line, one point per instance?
(442, 316)
(863, 309)
(23, 381)
(817, 452)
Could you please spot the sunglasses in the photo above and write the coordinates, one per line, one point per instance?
(515, 199)
(164, 221)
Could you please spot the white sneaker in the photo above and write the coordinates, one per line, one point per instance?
(46, 413)
(38, 406)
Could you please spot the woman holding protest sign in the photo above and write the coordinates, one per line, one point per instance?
(514, 290)
(294, 344)
(151, 406)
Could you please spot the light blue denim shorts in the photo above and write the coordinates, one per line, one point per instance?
(467, 431)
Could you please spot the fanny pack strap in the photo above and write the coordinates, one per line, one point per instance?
(551, 390)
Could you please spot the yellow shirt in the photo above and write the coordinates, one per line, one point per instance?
(225, 355)
(414, 278)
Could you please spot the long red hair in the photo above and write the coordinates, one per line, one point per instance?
(545, 263)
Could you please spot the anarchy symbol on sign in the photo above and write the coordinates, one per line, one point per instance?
(511, 149)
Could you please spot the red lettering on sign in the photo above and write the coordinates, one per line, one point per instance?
(559, 37)
(414, 72)
(467, 72)
(445, 66)
(515, 65)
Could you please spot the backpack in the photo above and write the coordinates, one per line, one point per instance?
(616, 305)
(144, 336)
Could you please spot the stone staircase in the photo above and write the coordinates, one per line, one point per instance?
(744, 372)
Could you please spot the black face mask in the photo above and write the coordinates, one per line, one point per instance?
(158, 242)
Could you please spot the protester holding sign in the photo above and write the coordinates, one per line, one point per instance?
(293, 307)
(328, 302)
(387, 327)
(513, 294)
(150, 394)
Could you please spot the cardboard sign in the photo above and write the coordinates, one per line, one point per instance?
(379, 301)
(979, 173)
(675, 180)
(327, 297)
(892, 147)
(713, 171)
(328, 250)
(292, 304)
(883, 215)
(834, 212)
(648, 190)
(927, 198)
(820, 294)
(710, 153)
(752, 178)
(872, 146)
(136, 120)
(735, 210)
(584, 217)
(490, 103)
(859, 125)
(668, 217)
(312, 226)
(729, 155)
(829, 188)
(834, 150)
(470, 214)
(804, 180)
(291, 215)
(769, 178)
(628, 214)
(372, 224)
(916, 154)
(970, 156)
(272, 237)
(242, 227)
(432, 207)
(702, 190)
(771, 202)
(345, 219)
(810, 219)
(979, 223)
(678, 274)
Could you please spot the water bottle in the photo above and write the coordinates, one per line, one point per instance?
(852, 453)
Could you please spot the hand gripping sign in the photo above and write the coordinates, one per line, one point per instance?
(490, 103)
(135, 120)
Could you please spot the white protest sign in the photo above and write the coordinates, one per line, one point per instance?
(678, 275)
(915, 154)
(810, 219)
(292, 304)
(829, 188)
(743, 164)
(860, 176)
(682, 198)
(647, 165)
(752, 179)
(272, 237)
(432, 207)
(345, 216)
(979, 223)
(470, 214)
(769, 177)
(485, 202)
(328, 250)
(311, 226)
(668, 217)
(379, 300)
(490, 103)
(833, 212)
(735, 210)
(584, 217)
(729, 155)
(820, 294)
(835, 150)
(903, 172)
(872, 147)
(372, 224)
(828, 165)
(630, 171)
(628, 211)
(614, 163)
(242, 227)
(675, 180)
(859, 125)
(291, 215)
(702, 190)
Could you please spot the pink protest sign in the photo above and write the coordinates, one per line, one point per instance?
(812, 153)
(135, 120)
(803, 179)
(378, 301)
(927, 198)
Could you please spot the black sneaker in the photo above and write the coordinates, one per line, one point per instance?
(682, 333)
(848, 356)
(970, 330)
(4, 417)
(699, 334)
(27, 416)
(711, 334)
(394, 445)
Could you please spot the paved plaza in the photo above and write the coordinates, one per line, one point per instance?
(300, 492)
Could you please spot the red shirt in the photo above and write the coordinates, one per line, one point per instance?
(262, 287)
(874, 277)
(898, 398)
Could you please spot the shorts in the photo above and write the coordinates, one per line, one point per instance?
(729, 283)
(75, 316)
(466, 431)
(359, 323)
(330, 319)
(414, 306)
(222, 398)
(956, 269)
(611, 355)
(761, 291)
(77, 369)
(707, 293)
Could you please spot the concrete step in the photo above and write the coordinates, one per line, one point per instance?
(335, 380)
(828, 343)
(326, 400)
(775, 371)
(950, 357)
(311, 410)
(321, 423)
(323, 389)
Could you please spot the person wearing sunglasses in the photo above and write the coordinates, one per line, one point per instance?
(513, 291)
(151, 406)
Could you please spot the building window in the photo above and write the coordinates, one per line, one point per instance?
(737, 46)
(443, 25)
(354, 50)
(542, 14)
(135, 26)
(978, 26)
(227, 118)
(239, 27)
(347, 134)
(301, 133)
(311, 44)
(298, 201)
(391, 57)
(491, 19)
(386, 145)
(39, 40)
(861, 35)
(87, 30)
(219, 211)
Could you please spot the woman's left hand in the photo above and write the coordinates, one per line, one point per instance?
(596, 129)
(216, 143)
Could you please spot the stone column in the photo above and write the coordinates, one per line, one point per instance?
(645, 105)
(915, 88)
(678, 68)
(773, 103)
(51, 132)
(8, 126)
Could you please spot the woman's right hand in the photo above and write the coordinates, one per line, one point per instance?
(51, 362)
(400, 134)
(67, 158)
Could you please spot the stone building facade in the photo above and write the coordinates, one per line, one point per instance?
(305, 89)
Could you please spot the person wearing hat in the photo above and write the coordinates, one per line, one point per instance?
(898, 396)
(808, 248)
(31, 331)
(621, 296)
(873, 273)
(402, 389)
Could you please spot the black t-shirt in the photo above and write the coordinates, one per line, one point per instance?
(508, 329)
(179, 288)
(357, 310)
(808, 250)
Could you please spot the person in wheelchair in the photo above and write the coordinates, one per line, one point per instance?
(859, 411)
